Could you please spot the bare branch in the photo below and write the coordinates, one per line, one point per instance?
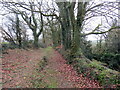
(102, 32)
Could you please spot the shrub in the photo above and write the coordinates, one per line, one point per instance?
(104, 75)
(9, 46)
(96, 70)
(112, 60)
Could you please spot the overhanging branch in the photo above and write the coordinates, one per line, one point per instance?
(93, 32)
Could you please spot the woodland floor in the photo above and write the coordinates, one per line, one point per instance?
(20, 69)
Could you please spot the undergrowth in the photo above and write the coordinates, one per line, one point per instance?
(94, 69)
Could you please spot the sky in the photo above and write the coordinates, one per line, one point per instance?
(93, 22)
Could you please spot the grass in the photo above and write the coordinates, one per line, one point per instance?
(4, 43)
(37, 77)
(44, 80)
(48, 48)
(104, 75)
(97, 65)
(97, 70)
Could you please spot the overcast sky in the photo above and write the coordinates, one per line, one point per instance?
(94, 22)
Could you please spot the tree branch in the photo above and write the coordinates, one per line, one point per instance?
(93, 32)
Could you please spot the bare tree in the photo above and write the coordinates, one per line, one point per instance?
(72, 24)
(34, 20)
(14, 32)
(73, 17)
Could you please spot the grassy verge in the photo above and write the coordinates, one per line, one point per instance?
(96, 70)
(44, 79)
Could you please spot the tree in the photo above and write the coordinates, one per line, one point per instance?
(55, 28)
(15, 32)
(86, 48)
(33, 23)
(72, 25)
(18, 32)
(72, 16)
(32, 19)
(113, 41)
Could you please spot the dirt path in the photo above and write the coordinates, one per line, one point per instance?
(18, 66)
(64, 75)
(21, 69)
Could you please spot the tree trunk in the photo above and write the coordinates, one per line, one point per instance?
(18, 32)
(36, 38)
(71, 26)
(65, 24)
(35, 41)
(43, 37)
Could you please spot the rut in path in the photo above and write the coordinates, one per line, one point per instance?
(19, 66)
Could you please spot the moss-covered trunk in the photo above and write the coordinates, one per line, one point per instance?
(36, 38)
(72, 26)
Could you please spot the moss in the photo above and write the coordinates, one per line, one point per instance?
(80, 65)
(95, 64)
(104, 75)
(97, 71)
(101, 77)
